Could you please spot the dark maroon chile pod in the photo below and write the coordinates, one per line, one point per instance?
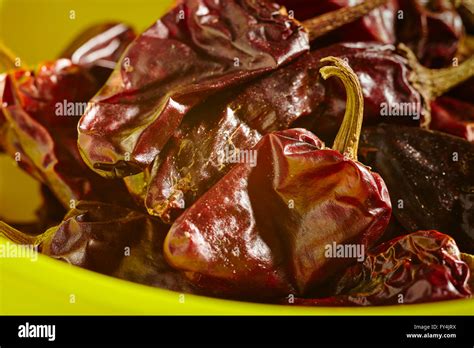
(429, 176)
(263, 228)
(424, 266)
(432, 29)
(111, 240)
(262, 231)
(99, 48)
(39, 131)
(396, 90)
(197, 49)
(377, 25)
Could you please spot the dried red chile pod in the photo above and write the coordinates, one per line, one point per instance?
(197, 49)
(430, 178)
(99, 48)
(424, 266)
(261, 230)
(378, 25)
(41, 135)
(111, 240)
(432, 29)
(293, 96)
(453, 116)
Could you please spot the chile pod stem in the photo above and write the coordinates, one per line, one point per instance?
(432, 83)
(436, 82)
(319, 26)
(16, 236)
(347, 139)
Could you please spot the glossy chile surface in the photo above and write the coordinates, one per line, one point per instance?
(261, 231)
(38, 124)
(198, 48)
(430, 176)
(99, 48)
(378, 25)
(111, 240)
(453, 116)
(295, 95)
(424, 266)
(433, 29)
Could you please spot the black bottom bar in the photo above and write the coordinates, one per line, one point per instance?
(294, 331)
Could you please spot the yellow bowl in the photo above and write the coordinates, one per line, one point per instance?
(37, 30)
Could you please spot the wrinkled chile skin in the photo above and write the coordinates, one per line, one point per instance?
(96, 236)
(173, 66)
(295, 95)
(46, 140)
(431, 29)
(244, 239)
(377, 26)
(424, 266)
(430, 173)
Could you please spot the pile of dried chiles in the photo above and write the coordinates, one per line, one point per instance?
(303, 153)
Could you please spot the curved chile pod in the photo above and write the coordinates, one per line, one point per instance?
(198, 48)
(424, 266)
(261, 231)
(430, 178)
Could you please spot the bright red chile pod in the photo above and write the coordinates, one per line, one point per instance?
(261, 231)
